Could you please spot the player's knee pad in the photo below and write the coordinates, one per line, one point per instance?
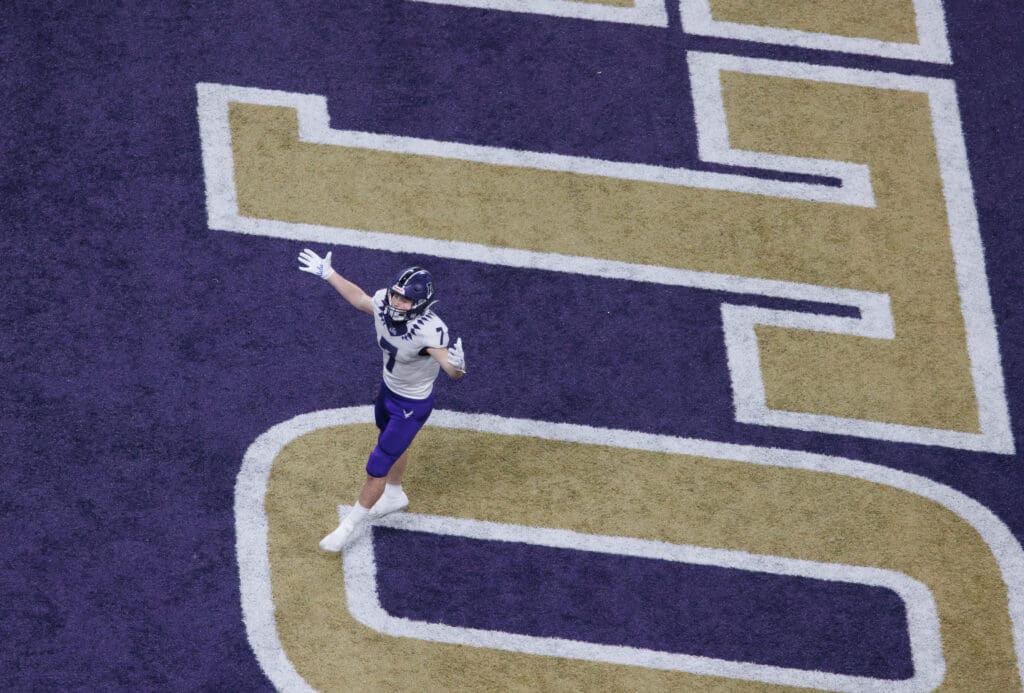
(380, 462)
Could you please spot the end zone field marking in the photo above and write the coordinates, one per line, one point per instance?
(922, 617)
(252, 523)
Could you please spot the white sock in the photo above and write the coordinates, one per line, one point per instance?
(392, 489)
(358, 512)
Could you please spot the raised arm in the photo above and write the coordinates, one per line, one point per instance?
(452, 359)
(321, 267)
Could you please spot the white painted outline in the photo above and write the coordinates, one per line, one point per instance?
(930, 19)
(643, 12)
(968, 257)
(314, 127)
(252, 525)
(922, 613)
(713, 143)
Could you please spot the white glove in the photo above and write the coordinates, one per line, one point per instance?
(456, 358)
(314, 264)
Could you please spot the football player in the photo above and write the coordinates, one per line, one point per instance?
(415, 347)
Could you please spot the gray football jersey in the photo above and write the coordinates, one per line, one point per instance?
(409, 371)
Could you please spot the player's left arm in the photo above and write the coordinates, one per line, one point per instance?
(452, 358)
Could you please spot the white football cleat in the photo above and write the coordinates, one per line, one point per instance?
(389, 503)
(334, 541)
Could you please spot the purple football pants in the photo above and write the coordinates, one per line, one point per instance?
(399, 420)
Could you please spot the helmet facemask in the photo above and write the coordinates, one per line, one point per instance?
(414, 284)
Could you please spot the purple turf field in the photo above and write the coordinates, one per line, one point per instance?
(145, 350)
